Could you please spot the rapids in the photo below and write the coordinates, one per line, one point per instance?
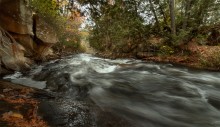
(128, 92)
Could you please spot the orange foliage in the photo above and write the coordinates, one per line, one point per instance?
(22, 98)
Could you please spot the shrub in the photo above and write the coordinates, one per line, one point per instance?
(201, 39)
(66, 27)
(211, 60)
(166, 50)
(182, 37)
(48, 10)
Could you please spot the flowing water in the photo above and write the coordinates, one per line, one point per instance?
(127, 92)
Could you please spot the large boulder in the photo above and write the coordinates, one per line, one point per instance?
(32, 32)
(44, 31)
(11, 53)
(26, 41)
(16, 17)
(45, 36)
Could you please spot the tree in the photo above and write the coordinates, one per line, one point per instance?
(172, 16)
(63, 16)
(155, 15)
(187, 4)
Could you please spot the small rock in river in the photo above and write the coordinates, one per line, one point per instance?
(6, 90)
(1, 96)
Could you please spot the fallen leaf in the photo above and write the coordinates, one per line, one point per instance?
(9, 115)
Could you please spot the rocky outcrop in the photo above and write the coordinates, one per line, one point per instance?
(11, 54)
(27, 31)
(44, 35)
(15, 16)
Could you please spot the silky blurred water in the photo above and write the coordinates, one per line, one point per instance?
(144, 94)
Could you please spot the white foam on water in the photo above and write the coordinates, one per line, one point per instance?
(151, 66)
(209, 78)
(30, 83)
(119, 61)
(88, 61)
(104, 69)
(18, 78)
(13, 76)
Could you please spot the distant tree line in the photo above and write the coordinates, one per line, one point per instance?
(121, 23)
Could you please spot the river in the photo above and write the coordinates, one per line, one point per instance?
(127, 92)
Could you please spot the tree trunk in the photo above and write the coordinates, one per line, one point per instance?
(163, 13)
(154, 13)
(186, 14)
(172, 16)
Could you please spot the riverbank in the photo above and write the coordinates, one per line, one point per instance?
(197, 57)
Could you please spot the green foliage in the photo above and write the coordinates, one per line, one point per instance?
(181, 38)
(48, 10)
(67, 41)
(166, 50)
(67, 29)
(126, 23)
(116, 27)
(45, 7)
(201, 39)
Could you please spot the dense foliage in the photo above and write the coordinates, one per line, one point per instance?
(123, 24)
(63, 17)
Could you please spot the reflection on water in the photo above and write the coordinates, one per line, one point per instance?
(145, 94)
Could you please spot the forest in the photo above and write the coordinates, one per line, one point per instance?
(109, 63)
(179, 31)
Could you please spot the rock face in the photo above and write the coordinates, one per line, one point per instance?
(16, 17)
(44, 35)
(11, 54)
(32, 32)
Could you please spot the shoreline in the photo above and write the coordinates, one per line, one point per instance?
(178, 60)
